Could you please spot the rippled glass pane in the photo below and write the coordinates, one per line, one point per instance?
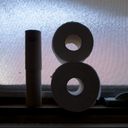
(107, 20)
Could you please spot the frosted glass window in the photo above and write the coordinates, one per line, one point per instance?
(107, 20)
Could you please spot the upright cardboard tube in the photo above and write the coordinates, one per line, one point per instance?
(33, 68)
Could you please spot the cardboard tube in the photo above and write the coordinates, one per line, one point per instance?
(33, 67)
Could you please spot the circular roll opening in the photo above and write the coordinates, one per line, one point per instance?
(73, 42)
(75, 86)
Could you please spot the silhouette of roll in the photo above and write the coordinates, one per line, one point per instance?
(60, 36)
(33, 68)
(85, 97)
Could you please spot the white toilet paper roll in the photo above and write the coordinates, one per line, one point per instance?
(89, 93)
(63, 32)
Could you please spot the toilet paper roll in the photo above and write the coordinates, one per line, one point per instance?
(89, 93)
(63, 32)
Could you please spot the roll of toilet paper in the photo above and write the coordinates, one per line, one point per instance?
(84, 97)
(73, 29)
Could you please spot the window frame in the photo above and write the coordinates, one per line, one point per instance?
(14, 110)
(19, 91)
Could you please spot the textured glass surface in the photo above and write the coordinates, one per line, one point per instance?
(107, 20)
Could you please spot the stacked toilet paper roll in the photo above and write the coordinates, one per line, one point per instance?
(86, 97)
(73, 68)
(62, 52)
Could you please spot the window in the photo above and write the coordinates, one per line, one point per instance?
(107, 20)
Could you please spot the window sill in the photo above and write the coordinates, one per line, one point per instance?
(54, 114)
(13, 109)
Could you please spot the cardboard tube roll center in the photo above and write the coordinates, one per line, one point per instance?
(33, 67)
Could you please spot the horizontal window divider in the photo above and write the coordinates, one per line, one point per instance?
(19, 90)
(16, 95)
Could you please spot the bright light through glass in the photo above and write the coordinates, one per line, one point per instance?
(107, 20)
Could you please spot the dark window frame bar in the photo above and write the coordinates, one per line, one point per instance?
(19, 90)
(16, 95)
